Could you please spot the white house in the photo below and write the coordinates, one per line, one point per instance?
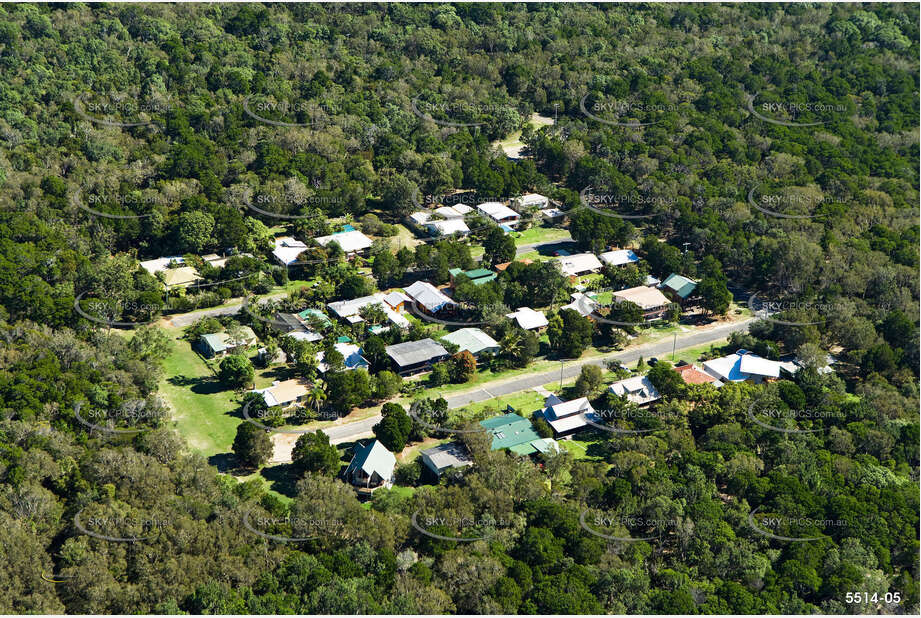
(528, 318)
(351, 356)
(744, 366)
(577, 264)
(287, 249)
(637, 389)
(446, 227)
(582, 304)
(352, 242)
(427, 295)
(500, 213)
(349, 310)
(530, 200)
(619, 257)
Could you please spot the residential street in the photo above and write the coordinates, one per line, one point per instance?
(360, 429)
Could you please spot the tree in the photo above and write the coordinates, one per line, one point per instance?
(252, 445)
(194, 231)
(441, 374)
(569, 333)
(519, 346)
(236, 371)
(386, 384)
(498, 247)
(394, 427)
(463, 367)
(590, 381)
(317, 396)
(347, 389)
(313, 453)
(374, 350)
(715, 297)
(666, 380)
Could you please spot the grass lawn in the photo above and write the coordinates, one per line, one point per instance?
(204, 411)
(540, 234)
(404, 238)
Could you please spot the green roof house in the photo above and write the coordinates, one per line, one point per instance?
(220, 344)
(478, 276)
(512, 432)
(678, 288)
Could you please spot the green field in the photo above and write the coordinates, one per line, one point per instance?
(540, 233)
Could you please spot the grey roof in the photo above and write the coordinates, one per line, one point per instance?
(415, 352)
(450, 455)
(473, 340)
(373, 457)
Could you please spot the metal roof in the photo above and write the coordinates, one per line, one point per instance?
(415, 352)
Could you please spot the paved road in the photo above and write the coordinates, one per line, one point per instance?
(573, 368)
(187, 319)
(537, 245)
(361, 429)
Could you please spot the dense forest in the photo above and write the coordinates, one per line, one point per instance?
(773, 146)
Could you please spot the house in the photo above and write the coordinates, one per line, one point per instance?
(619, 257)
(418, 219)
(638, 390)
(352, 242)
(396, 301)
(743, 366)
(286, 393)
(414, 356)
(478, 276)
(180, 277)
(446, 227)
(512, 432)
(552, 213)
(220, 344)
(500, 214)
(504, 265)
(473, 340)
(679, 289)
(446, 457)
(651, 281)
(692, 375)
(309, 336)
(289, 323)
(566, 417)
(528, 318)
(582, 304)
(351, 357)
(428, 296)
(371, 467)
(453, 212)
(578, 264)
(651, 301)
(308, 316)
(287, 250)
(349, 310)
(175, 272)
(531, 200)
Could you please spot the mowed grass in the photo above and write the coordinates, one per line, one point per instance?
(540, 233)
(204, 411)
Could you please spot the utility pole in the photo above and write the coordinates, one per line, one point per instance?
(674, 343)
(561, 376)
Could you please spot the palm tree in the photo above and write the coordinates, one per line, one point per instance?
(316, 396)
